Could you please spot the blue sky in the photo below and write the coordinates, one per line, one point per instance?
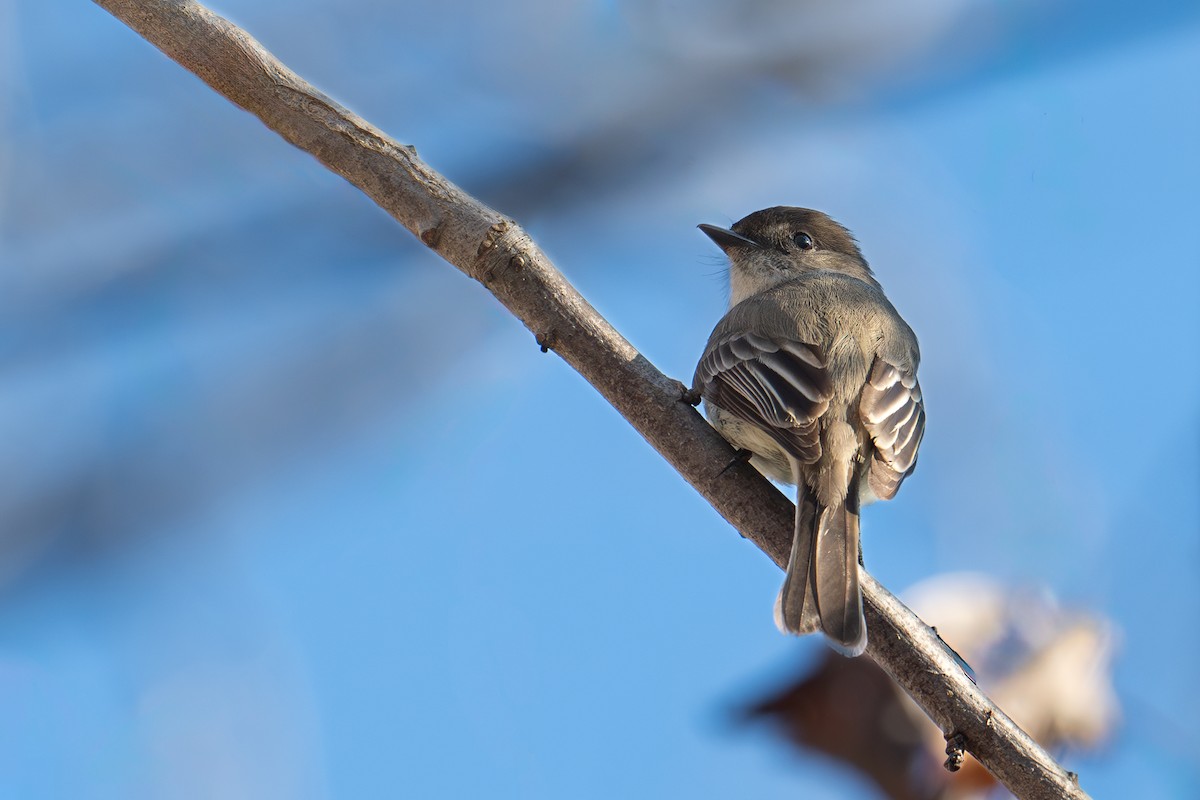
(293, 509)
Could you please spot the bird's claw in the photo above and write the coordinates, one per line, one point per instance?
(690, 396)
(741, 456)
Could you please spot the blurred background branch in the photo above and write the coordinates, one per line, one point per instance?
(488, 248)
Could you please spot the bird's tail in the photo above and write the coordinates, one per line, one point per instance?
(821, 591)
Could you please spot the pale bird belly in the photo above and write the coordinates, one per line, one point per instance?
(769, 458)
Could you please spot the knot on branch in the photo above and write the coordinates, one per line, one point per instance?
(956, 751)
(432, 236)
(504, 246)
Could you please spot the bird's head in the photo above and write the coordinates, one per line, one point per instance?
(779, 244)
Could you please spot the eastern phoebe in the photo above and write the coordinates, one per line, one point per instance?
(815, 374)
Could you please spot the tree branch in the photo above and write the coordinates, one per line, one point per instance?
(496, 252)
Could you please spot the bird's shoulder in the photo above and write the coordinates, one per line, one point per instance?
(830, 311)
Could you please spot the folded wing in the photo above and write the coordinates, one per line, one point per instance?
(779, 385)
(893, 413)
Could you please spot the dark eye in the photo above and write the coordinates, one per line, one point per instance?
(803, 241)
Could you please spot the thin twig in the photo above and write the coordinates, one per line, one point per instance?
(496, 252)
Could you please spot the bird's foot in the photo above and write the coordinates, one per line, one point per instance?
(740, 456)
(690, 396)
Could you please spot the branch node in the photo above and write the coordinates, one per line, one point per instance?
(432, 235)
(546, 341)
(956, 751)
(502, 238)
(492, 237)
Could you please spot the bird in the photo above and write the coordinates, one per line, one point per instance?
(812, 373)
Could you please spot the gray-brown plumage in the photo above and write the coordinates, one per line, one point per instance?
(814, 372)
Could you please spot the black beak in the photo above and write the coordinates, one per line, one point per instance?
(727, 239)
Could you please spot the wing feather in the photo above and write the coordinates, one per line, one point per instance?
(893, 413)
(778, 385)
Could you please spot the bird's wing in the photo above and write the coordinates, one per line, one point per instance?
(777, 384)
(894, 415)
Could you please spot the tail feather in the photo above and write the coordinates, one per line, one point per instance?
(839, 597)
(821, 591)
(796, 607)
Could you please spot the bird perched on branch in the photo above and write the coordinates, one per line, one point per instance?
(815, 374)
